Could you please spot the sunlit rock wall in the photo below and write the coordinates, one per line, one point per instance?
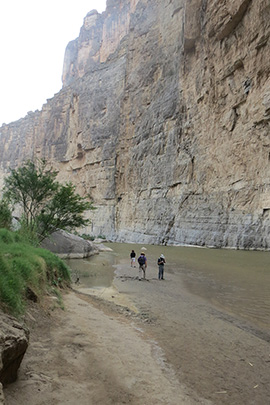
(164, 121)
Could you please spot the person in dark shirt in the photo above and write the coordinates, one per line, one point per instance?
(132, 258)
(161, 262)
(142, 265)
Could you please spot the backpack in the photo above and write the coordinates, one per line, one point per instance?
(160, 260)
(141, 260)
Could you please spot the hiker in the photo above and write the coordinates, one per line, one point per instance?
(161, 262)
(132, 258)
(142, 265)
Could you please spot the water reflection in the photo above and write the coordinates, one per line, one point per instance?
(234, 281)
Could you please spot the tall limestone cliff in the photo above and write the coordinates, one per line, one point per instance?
(164, 119)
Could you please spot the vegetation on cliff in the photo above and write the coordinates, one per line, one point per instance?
(27, 272)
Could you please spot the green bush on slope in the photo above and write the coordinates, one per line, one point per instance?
(25, 268)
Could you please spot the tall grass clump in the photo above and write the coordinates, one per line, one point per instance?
(24, 270)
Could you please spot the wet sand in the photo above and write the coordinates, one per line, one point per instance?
(141, 342)
(216, 355)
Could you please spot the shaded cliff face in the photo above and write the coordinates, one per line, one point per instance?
(164, 120)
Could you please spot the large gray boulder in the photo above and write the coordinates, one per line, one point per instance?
(69, 246)
(14, 340)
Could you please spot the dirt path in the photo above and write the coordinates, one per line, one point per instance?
(147, 342)
(91, 356)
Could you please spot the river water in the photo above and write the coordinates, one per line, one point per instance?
(237, 282)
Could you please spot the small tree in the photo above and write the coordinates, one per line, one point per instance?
(64, 211)
(47, 205)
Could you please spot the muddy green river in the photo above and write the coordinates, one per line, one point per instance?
(237, 282)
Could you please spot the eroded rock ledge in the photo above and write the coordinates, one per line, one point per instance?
(14, 340)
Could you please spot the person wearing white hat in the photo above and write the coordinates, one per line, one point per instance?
(161, 262)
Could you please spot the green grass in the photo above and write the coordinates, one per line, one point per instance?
(25, 268)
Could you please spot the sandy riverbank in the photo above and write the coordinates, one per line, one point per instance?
(148, 342)
(95, 354)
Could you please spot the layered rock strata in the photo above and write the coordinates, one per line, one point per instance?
(164, 121)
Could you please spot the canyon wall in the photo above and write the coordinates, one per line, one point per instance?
(164, 120)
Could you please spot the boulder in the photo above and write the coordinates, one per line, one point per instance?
(14, 340)
(68, 246)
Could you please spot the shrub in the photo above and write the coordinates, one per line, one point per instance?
(6, 236)
(87, 237)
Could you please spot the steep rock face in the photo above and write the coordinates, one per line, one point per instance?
(100, 37)
(164, 120)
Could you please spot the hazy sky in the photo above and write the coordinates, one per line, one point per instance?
(33, 38)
